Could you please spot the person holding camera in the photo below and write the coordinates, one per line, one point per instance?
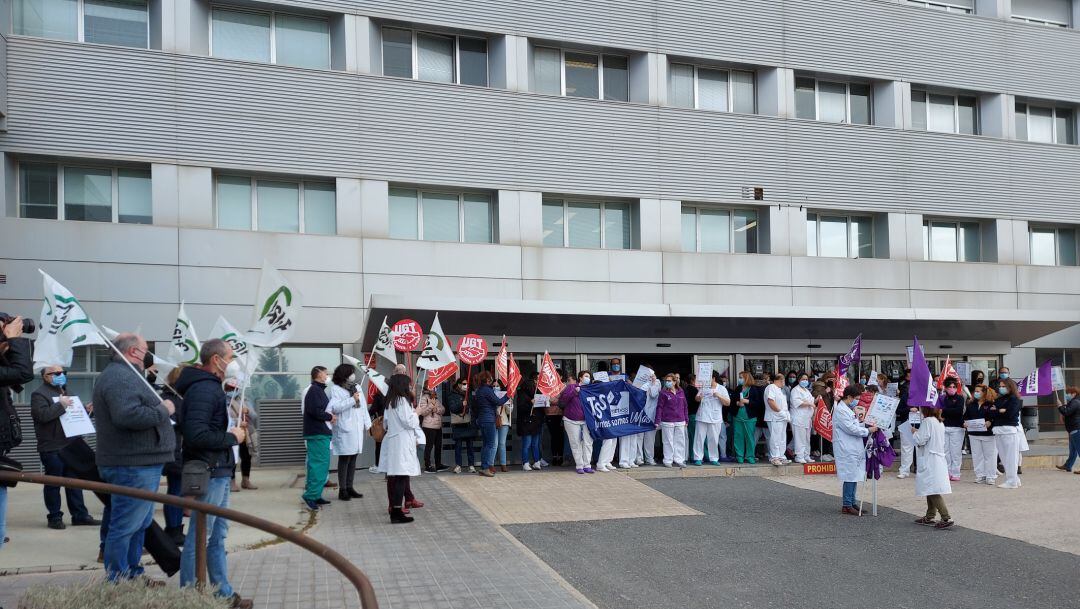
(47, 404)
(347, 437)
(134, 441)
(16, 368)
(209, 444)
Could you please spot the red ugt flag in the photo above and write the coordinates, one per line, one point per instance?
(513, 376)
(823, 420)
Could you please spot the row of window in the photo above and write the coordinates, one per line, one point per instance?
(304, 40)
(1053, 13)
(95, 193)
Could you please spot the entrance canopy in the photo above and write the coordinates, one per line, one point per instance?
(489, 316)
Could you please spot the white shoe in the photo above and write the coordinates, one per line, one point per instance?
(828, 458)
(980, 480)
(666, 464)
(1006, 485)
(525, 467)
(650, 463)
(538, 465)
(543, 463)
(624, 466)
(639, 461)
(472, 469)
(902, 475)
(634, 465)
(990, 481)
(374, 469)
(810, 460)
(457, 469)
(800, 460)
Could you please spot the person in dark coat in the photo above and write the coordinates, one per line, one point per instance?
(530, 424)
(1070, 413)
(174, 516)
(16, 368)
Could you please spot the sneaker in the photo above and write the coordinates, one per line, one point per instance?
(457, 469)
(776, 462)
(954, 478)
(666, 464)
(311, 505)
(810, 460)
(472, 470)
(57, 524)
(321, 501)
(374, 469)
(785, 460)
(800, 460)
(639, 462)
(543, 463)
(926, 522)
(624, 466)
(680, 465)
(649, 462)
(965, 452)
(716, 463)
(944, 524)
(589, 470)
(902, 475)
(828, 458)
(990, 481)
(980, 480)
(441, 468)
(537, 466)
(727, 459)
(580, 471)
(525, 467)
(1006, 485)
(696, 462)
(632, 465)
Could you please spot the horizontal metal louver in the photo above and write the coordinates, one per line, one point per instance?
(26, 452)
(281, 433)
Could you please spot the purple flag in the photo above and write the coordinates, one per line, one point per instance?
(922, 391)
(1038, 382)
(853, 355)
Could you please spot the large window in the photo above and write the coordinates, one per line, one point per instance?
(1053, 246)
(435, 57)
(1045, 124)
(951, 6)
(581, 74)
(268, 204)
(118, 22)
(441, 216)
(604, 224)
(710, 229)
(1053, 13)
(283, 372)
(839, 236)
(833, 102)
(950, 241)
(711, 88)
(944, 113)
(92, 193)
(282, 38)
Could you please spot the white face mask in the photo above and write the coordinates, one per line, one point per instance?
(232, 370)
(585, 380)
(352, 378)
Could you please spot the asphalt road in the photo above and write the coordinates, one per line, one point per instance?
(764, 544)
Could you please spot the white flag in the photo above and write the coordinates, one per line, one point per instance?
(438, 352)
(64, 326)
(373, 375)
(241, 349)
(384, 345)
(185, 344)
(277, 308)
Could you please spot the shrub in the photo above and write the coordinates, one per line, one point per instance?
(96, 593)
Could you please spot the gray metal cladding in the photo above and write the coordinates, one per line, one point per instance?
(114, 103)
(883, 39)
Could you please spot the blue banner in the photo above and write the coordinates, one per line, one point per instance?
(615, 409)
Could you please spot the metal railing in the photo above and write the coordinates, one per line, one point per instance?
(200, 509)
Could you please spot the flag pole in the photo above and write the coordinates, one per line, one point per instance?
(124, 359)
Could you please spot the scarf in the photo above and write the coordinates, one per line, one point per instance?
(879, 454)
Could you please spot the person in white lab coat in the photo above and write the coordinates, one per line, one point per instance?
(632, 447)
(709, 423)
(350, 408)
(403, 435)
(849, 448)
(777, 418)
(801, 404)
(932, 468)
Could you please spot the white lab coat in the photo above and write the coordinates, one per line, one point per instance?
(403, 435)
(776, 394)
(352, 422)
(932, 467)
(800, 417)
(849, 445)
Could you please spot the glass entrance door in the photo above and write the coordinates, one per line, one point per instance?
(720, 363)
(566, 363)
(595, 363)
(759, 364)
(787, 363)
(892, 366)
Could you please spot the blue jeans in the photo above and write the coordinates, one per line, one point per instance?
(849, 493)
(174, 516)
(217, 494)
(128, 519)
(463, 438)
(3, 514)
(1074, 448)
(54, 466)
(503, 431)
(490, 437)
(530, 448)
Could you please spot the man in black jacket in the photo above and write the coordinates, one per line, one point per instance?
(47, 404)
(318, 421)
(210, 438)
(15, 369)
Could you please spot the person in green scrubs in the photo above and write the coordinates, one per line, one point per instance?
(742, 424)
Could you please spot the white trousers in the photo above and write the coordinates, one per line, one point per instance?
(907, 454)
(954, 444)
(648, 446)
(607, 452)
(984, 457)
(580, 442)
(708, 432)
(801, 436)
(1008, 447)
(630, 449)
(777, 439)
(673, 436)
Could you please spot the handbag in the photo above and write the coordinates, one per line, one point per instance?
(7, 464)
(194, 478)
(10, 427)
(378, 429)
(162, 548)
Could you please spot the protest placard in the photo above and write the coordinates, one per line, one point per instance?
(704, 374)
(75, 420)
(882, 411)
(643, 376)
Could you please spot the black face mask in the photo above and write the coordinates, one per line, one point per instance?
(150, 377)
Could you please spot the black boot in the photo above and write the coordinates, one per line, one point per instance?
(344, 495)
(354, 494)
(399, 517)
